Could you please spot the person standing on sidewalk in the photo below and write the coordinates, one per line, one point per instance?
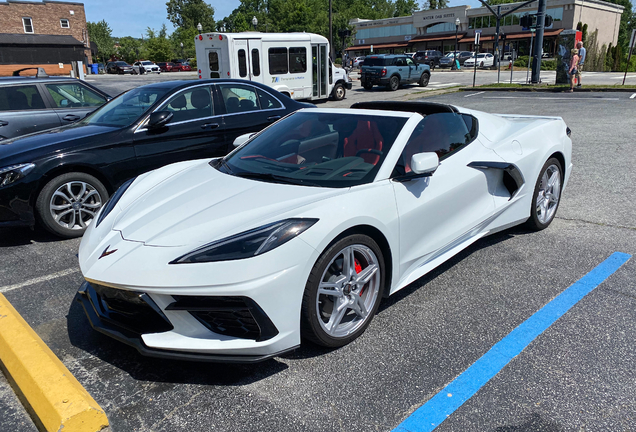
(579, 68)
(572, 71)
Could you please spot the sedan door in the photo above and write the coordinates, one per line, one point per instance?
(247, 109)
(23, 110)
(442, 211)
(72, 101)
(194, 132)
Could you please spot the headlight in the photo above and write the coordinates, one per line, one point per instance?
(112, 202)
(13, 173)
(249, 243)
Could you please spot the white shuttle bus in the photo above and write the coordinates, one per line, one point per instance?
(295, 64)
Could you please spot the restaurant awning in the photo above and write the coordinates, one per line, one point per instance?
(435, 38)
(378, 46)
(521, 35)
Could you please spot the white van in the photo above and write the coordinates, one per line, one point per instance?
(295, 64)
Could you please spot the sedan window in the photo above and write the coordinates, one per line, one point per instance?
(74, 95)
(318, 149)
(125, 108)
(239, 98)
(20, 98)
(192, 104)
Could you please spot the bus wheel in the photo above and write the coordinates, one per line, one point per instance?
(339, 92)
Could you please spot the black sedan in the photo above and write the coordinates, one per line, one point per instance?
(119, 67)
(447, 60)
(62, 177)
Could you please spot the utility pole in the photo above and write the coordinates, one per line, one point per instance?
(331, 49)
(538, 47)
(497, 54)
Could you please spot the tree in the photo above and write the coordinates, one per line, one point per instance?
(101, 34)
(131, 49)
(437, 4)
(627, 22)
(404, 8)
(158, 47)
(189, 13)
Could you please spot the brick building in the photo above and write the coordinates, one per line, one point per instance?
(42, 34)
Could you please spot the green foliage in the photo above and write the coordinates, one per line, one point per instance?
(435, 4)
(584, 33)
(522, 62)
(131, 49)
(185, 36)
(498, 2)
(405, 8)
(628, 22)
(101, 34)
(157, 45)
(189, 13)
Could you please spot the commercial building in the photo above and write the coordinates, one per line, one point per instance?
(437, 29)
(47, 34)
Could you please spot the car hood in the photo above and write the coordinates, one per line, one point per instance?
(48, 140)
(192, 203)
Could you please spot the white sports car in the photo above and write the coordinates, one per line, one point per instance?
(301, 230)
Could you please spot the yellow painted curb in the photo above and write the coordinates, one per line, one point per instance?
(55, 396)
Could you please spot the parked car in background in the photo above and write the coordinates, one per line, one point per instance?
(447, 60)
(429, 57)
(392, 70)
(179, 61)
(483, 60)
(167, 67)
(145, 66)
(32, 104)
(62, 177)
(184, 67)
(119, 67)
(357, 62)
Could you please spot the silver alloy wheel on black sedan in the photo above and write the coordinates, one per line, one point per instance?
(343, 291)
(547, 195)
(68, 204)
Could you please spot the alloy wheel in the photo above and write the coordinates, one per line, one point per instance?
(75, 204)
(549, 194)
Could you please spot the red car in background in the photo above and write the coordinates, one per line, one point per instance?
(168, 67)
(183, 67)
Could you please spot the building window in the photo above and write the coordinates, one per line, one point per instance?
(27, 23)
(64, 23)
(441, 28)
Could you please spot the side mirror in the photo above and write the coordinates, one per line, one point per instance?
(159, 119)
(240, 140)
(424, 163)
(64, 103)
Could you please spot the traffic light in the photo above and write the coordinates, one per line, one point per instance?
(548, 21)
(526, 21)
(502, 36)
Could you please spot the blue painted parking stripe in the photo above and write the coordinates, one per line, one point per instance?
(462, 388)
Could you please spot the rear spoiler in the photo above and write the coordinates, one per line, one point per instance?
(40, 72)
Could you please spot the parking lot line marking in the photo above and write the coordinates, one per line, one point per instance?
(430, 415)
(633, 96)
(38, 280)
(474, 94)
(550, 98)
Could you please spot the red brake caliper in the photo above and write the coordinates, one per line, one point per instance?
(358, 268)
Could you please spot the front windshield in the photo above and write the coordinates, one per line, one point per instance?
(481, 56)
(317, 149)
(146, 63)
(126, 108)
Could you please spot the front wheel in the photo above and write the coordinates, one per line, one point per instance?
(343, 292)
(547, 195)
(424, 79)
(69, 203)
(481, 65)
(394, 83)
(367, 85)
(339, 92)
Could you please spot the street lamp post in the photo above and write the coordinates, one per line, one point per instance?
(254, 22)
(455, 52)
(182, 56)
(200, 28)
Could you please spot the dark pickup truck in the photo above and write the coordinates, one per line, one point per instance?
(392, 71)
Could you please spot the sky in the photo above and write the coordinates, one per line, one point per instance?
(131, 18)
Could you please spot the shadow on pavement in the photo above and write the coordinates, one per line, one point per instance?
(141, 368)
(535, 423)
(19, 236)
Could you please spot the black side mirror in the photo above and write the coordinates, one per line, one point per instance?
(159, 119)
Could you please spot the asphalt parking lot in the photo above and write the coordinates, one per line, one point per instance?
(576, 376)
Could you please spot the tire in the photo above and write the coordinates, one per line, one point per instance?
(394, 83)
(367, 85)
(424, 79)
(69, 203)
(339, 92)
(318, 323)
(547, 189)
(481, 65)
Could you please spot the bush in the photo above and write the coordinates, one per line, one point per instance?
(545, 64)
(193, 64)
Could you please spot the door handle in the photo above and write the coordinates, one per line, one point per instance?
(3, 123)
(210, 125)
(272, 118)
(71, 117)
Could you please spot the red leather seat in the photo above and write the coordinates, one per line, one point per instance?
(367, 137)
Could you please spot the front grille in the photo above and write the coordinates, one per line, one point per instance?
(132, 310)
(239, 317)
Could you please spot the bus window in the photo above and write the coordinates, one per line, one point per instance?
(256, 63)
(277, 61)
(297, 60)
(213, 57)
(242, 62)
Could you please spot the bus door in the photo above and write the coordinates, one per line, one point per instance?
(254, 56)
(319, 70)
(215, 62)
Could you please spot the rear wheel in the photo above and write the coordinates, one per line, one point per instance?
(394, 83)
(547, 195)
(343, 292)
(69, 203)
(424, 79)
(367, 85)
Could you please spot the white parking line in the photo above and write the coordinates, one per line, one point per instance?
(475, 94)
(633, 96)
(445, 84)
(549, 98)
(38, 280)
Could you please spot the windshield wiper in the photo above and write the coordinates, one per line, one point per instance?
(275, 178)
(226, 166)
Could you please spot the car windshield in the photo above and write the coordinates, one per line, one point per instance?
(146, 63)
(481, 55)
(317, 149)
(126, 108)
(121, 64)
